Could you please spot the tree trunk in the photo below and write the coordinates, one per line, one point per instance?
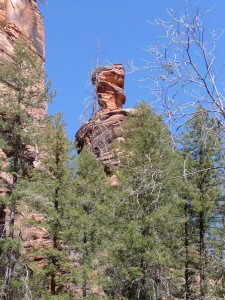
(11, 254)
(10, 259)
(143, 280)
(84, 288)
(202, 255)
(116, 295)
(55, 241)
(157, 285)
(9, 266)
(84, 284)
(187, 286)
(221, 257)
(53, 284)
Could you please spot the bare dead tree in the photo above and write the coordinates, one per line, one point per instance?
(100, 136)
(95, 99)
(91, 103)
(183, 67)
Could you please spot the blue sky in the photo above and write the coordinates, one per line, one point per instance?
(72, 30)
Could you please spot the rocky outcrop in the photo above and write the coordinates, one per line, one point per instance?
(109, 84)
(106, 126)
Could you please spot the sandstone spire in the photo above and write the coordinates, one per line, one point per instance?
(110, 86)
(107, 126)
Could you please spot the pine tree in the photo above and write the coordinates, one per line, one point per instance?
(87, 216)
(143, 248)
(23, 93)
(48, 193)
(71, 195)
(202, 152)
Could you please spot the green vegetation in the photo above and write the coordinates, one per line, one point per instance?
(202, 152)
(141, 248)
(21, 95)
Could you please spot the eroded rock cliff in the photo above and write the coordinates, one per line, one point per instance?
(21, 18)
(106, 126)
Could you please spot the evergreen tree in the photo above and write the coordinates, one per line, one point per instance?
(143, 248)
(202, 151)
(48, 193)
(72, 196)
(87, 216)
(23, 92)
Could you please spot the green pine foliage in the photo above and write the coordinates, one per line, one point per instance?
(142, 252)
(48, 192)
(23, 92)
(202, 193)
(87, 216)
(72, 196)
(157, 234)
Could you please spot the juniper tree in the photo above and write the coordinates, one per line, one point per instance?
(23, 93)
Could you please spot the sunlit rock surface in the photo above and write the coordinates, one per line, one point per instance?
(21, 18)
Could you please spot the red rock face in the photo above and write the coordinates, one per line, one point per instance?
(107, 126)
(21, 18)
(109, 87)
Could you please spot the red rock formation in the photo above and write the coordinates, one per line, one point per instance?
(21, 18)
(109, 87)
(107, 124)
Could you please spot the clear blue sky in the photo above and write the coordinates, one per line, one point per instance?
(72, 29)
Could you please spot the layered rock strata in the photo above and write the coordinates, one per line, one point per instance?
(106, 126)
